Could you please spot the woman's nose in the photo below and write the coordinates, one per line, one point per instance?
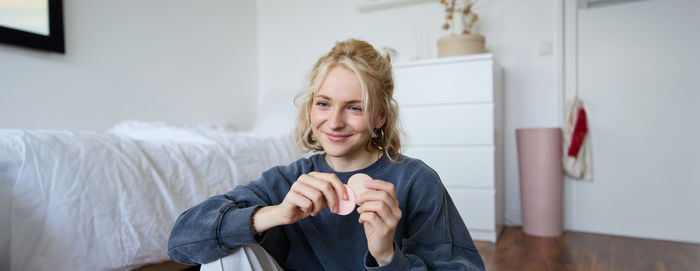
(336, 121)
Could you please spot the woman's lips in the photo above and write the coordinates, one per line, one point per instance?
(337, 138)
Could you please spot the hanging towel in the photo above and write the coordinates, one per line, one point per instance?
(577, 151)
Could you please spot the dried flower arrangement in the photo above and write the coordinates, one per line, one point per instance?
(459, 16)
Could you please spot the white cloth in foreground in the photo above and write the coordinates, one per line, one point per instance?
(244, 258)
(81, 200)
(576, 158)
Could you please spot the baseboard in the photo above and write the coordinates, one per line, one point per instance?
(485, 236)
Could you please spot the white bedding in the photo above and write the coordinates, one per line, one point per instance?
(107, 201)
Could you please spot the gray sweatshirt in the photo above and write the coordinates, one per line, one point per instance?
(430, 234)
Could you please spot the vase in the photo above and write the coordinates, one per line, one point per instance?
(462, 44)
(541, 181)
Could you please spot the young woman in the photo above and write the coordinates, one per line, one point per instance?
(405, 219)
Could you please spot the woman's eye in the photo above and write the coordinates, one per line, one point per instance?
(356, 108)
(322, 104)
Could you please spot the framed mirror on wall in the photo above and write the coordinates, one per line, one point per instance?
(33, 23)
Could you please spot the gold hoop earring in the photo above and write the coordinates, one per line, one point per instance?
(378, 137)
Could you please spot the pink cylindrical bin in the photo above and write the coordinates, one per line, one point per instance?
(541, 180)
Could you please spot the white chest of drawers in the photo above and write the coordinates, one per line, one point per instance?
(451, 111)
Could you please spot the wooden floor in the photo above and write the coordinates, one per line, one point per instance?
(586, 251)
(572, 251)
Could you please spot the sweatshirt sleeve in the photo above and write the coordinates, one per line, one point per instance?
(215, 227)
(435, 236)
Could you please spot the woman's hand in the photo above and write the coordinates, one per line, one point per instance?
(310, 194)
(379, 214)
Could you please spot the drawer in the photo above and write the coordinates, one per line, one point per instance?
(444, 83)
(459, 166)
(448, 124)
(475, 206)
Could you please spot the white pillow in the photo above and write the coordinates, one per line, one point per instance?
(160, 131)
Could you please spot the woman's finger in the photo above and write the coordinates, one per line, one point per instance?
(381, 196)
(384, 212)
(375, 186)
(370, 218)
(377, 224)
(333, 180)
(312, 194)
(299, 201)
(389, 215)
(328, 190)
(381, 186)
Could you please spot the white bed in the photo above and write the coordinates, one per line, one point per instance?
(107, 200)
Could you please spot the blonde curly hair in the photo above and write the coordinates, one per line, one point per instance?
(377, 82)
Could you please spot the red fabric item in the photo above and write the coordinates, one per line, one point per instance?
(580, 130)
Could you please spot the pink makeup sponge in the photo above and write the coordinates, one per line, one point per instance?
(346, 206)
(354, 188)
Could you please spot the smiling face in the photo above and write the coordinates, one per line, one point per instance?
(352, 70)
(337, 116)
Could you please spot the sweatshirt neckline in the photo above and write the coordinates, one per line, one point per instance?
(345, 175)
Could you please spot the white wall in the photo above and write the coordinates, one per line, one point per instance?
(292, 35)
(174, 61)
(638, 77)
